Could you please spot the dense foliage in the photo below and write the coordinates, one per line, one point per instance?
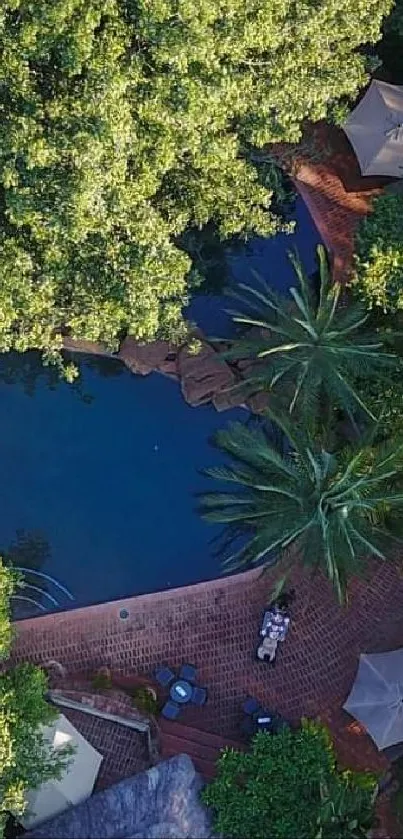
(384, 398)
(378, 267)
(391, 46)
(288, 786)
(25, 758)
(335, 509)
(309, 348)
(7, 585)
(125, 123)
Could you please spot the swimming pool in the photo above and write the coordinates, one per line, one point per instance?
(103, 485)
(99, 480)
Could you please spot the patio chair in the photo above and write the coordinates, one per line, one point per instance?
(189, 673)
(170, 710)
(164, 676)
(199, 696)
(251, 706)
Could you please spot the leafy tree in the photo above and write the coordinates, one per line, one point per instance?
(334, 509)
(124, 123)
(311, 348)
(7, 585)
(26, 760)
(378, 263)
(288, 785)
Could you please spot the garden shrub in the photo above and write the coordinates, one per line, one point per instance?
(144, 700)
(25, 758)
(288, 786)
(378, 260)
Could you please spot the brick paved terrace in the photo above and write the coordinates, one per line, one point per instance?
(335, 192)
(215, 626)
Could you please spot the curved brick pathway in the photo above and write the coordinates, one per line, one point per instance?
(215, 626)
(335, 192)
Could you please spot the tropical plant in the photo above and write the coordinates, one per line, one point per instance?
(309, 348)
(26, 760)
(287, 786)
(378, 260)
(333, 509)
(124, 123)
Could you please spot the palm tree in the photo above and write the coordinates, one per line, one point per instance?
(312, 348)
(335, 510)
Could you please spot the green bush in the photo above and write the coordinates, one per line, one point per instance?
(8, 581)
(385, 400)
(378, 261)
(102, 681)
(288, 786)
(144, 700)
(25, 758)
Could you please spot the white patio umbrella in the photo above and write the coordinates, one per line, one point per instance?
(376, 698)
(77, 782)
(375, 130)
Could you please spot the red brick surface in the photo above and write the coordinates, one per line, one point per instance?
(215, 626)
(336, 193)
(124, 750)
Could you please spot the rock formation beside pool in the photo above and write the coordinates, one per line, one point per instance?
(162, 803)
(202, 375)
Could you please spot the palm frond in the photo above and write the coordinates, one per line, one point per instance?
(332, 511)
(320, 334)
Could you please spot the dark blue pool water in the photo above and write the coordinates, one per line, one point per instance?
(109, 484)
(98, 485)
(266, 258)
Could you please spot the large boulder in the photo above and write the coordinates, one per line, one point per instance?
(162, 802)
(203, 375)
(144, 358)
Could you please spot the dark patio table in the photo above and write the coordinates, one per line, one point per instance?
(181, 691)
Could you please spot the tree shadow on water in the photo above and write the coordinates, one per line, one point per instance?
(38, 591)
(28, 371)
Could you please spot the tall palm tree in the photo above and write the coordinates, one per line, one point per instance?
(311, 348)
(336, 510)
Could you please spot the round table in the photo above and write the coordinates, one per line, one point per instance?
(181, 691)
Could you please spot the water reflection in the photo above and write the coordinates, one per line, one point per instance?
(38, 591)
(27, 370)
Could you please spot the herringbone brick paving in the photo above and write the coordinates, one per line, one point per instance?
(123, 749)
(215, 626)
(335, 192)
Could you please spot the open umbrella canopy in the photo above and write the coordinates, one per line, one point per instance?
(376, 698)
(375, 130)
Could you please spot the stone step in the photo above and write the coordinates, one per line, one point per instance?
(201, 746)
(198, 735)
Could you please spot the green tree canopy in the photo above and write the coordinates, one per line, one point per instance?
(288, 785)
(25, 758)
(124, 123)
